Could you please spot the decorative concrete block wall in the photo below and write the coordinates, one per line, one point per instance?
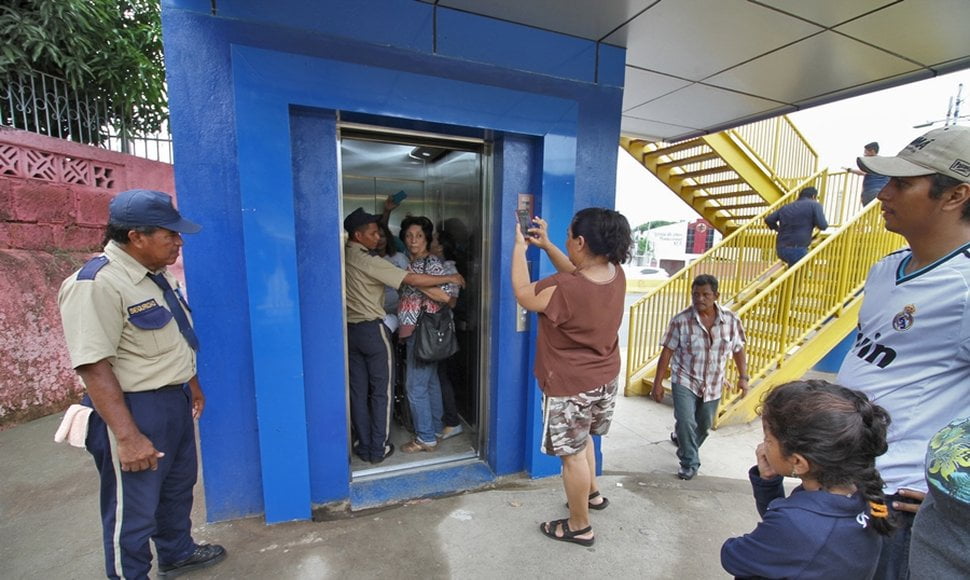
(54, 198)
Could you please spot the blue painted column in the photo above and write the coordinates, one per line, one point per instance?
(269, 237)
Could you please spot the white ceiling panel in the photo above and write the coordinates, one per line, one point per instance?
(926, 31)
(827, 13)
(845, 93)
(815, 66)
(653, 130)
(642, 86)
(679, 108)
(698, 38)
(582, 18)
(774, 55)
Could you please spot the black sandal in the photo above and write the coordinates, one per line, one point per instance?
(601, 505)
(549, 530)
(596, 506)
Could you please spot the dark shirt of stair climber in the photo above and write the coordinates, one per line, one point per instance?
(795, 224)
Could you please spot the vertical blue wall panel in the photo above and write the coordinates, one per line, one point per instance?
(207, 183)
(319, 247)
(400, 23)
(269, 239)
(611, 69)
(517, 165)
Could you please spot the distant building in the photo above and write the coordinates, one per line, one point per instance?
(673, 247)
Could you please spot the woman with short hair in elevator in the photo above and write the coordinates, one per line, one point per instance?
(421, 379)
(577, 349)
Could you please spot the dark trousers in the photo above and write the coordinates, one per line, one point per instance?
(791, 255)
(692, 422)
(136, 506)
(894, 557)
(370, 361)
(450, 417)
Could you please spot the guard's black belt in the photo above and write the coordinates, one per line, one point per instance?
(168, 387)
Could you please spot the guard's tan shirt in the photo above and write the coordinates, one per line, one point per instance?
(366, 276)
(116, 316)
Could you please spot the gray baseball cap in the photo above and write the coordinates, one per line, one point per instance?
(144, 207)
(945, 151)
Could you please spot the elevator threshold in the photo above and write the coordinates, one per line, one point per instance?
(429, 460)
(425, 479)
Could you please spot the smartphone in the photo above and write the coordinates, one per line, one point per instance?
(525, 221)
(398, 197)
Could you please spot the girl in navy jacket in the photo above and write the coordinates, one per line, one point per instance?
(830, 526)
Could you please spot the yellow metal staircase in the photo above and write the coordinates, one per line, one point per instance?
(792, 316)
(732, 176)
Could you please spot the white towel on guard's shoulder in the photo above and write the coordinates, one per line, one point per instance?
(74, 426)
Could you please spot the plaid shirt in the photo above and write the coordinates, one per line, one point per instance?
(699, 356)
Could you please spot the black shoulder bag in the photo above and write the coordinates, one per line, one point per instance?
(434, 335)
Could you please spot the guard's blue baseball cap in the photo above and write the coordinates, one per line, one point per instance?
(144, 207)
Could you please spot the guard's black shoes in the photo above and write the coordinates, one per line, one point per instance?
(205, 555)
(687, 473)
(388, 451)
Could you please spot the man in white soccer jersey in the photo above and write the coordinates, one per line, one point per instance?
(912, 349)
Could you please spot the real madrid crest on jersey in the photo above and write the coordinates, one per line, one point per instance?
(904, 320)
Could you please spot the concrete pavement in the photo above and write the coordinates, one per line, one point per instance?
(656, 526)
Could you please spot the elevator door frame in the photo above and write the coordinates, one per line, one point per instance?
(485, 203)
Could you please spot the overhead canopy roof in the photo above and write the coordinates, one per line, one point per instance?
(699, 66)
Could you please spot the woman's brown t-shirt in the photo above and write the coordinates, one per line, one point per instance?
(577, 347)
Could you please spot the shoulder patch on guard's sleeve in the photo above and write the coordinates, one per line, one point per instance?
(90, 269)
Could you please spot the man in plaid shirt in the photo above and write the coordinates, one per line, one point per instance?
(698, 342)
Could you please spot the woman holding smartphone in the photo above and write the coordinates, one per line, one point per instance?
(577, 349)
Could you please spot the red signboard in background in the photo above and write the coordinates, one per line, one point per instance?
(700, 237)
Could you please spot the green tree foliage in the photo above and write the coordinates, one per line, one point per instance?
(643, 244)
(109, 52)
(653, 225)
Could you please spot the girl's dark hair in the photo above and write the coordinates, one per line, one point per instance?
(426, 226)
(838, 430)
(390, 248)
(607, 233)
(119, 233)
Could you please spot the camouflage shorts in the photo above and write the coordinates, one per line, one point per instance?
(567, 422)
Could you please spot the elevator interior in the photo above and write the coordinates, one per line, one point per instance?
(444, 179)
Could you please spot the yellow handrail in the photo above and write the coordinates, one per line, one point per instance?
(807, 297)
(780, 148)
(741, 261)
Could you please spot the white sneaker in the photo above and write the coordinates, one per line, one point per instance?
(449, 432)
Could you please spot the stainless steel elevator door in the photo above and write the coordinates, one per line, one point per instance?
(444, 181)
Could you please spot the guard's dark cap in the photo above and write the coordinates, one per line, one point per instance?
(358, 218)
(144, 207)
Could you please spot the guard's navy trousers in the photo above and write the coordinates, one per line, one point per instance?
(136, 506)
(370, 361)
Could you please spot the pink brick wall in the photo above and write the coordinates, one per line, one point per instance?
(54, 198)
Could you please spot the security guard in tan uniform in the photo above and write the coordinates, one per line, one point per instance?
(370, 358)
(130, 338)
